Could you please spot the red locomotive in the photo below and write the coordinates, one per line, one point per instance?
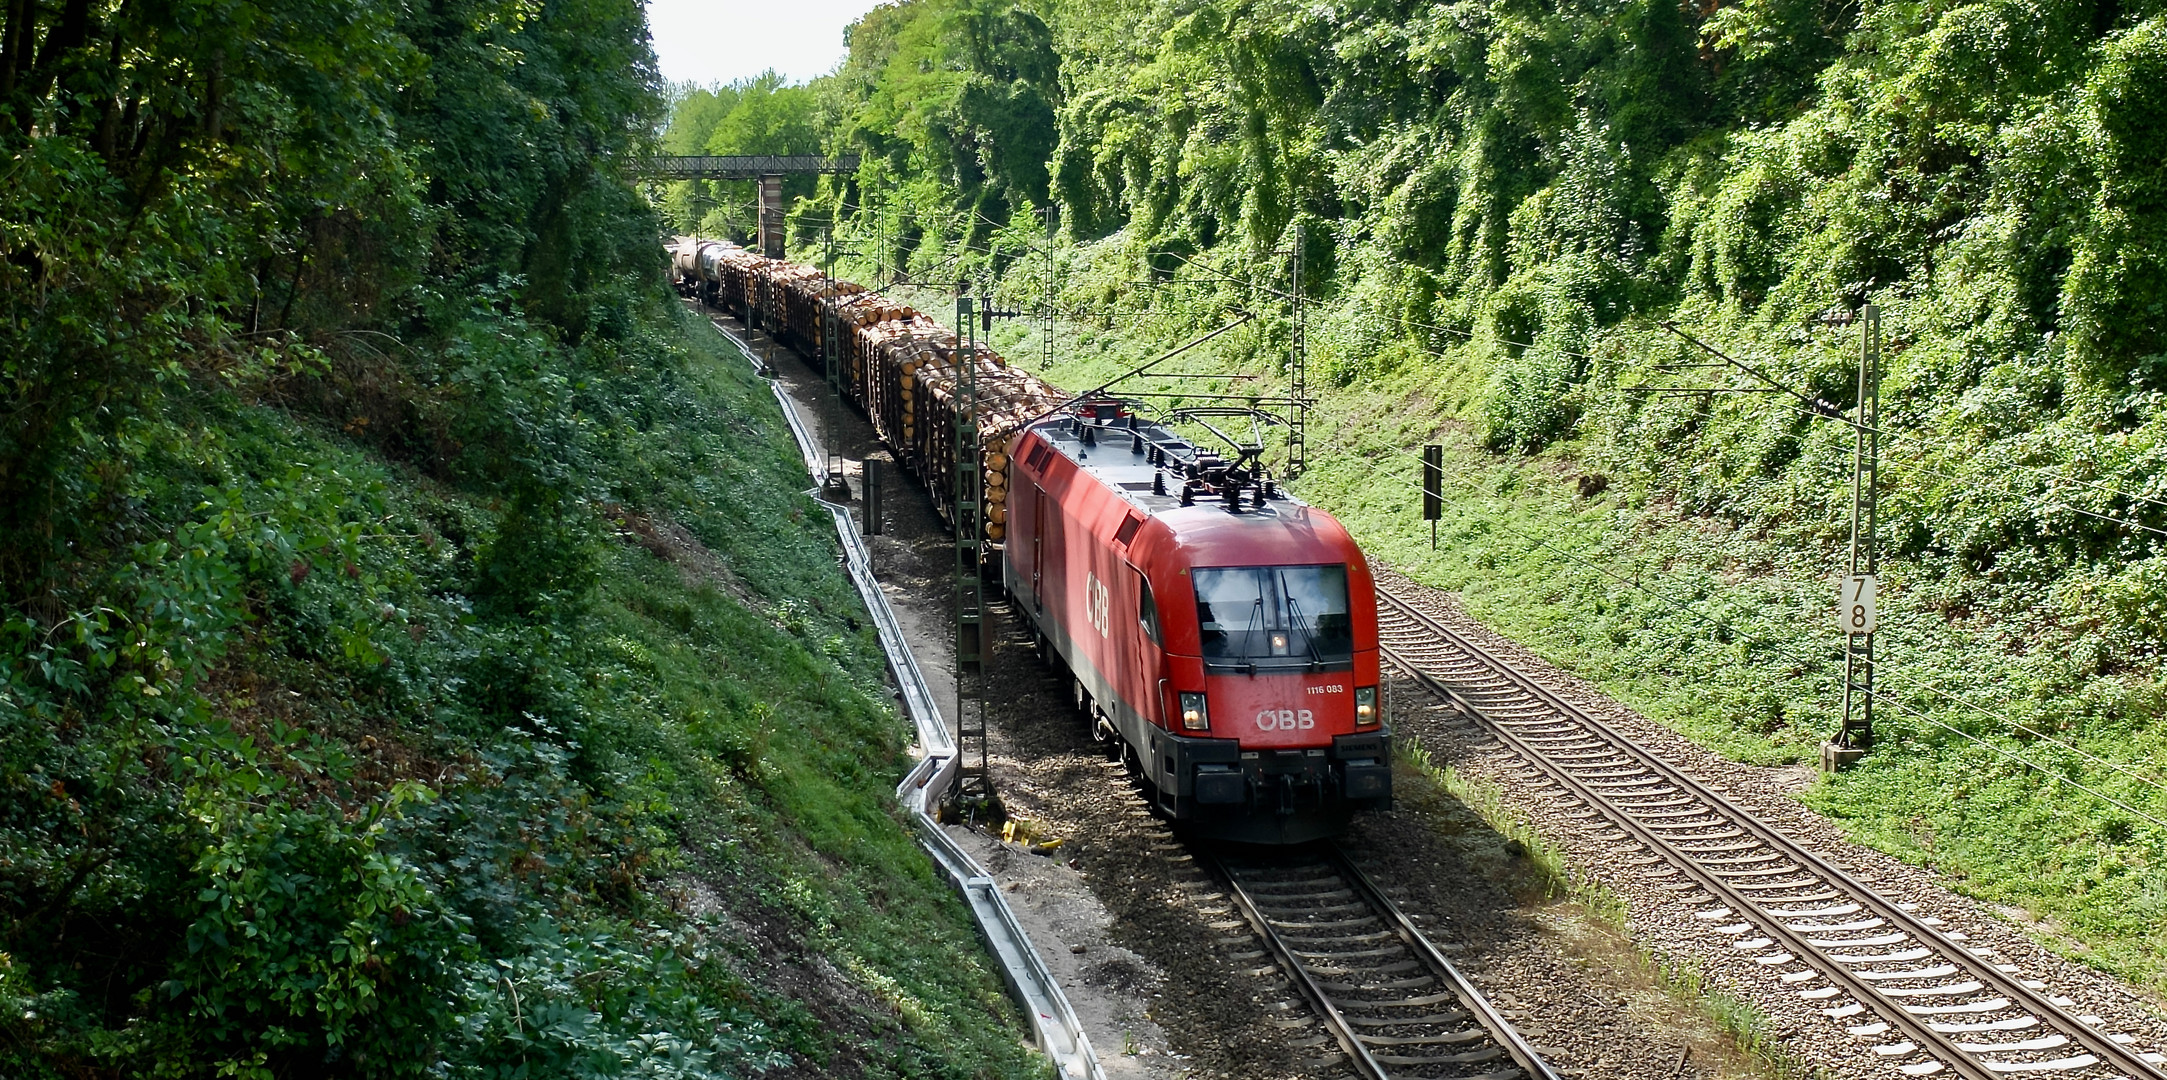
(1222, 631)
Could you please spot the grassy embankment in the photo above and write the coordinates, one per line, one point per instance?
(640, 822)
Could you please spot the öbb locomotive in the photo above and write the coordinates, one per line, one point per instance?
(1219, 631)
(1220, 634)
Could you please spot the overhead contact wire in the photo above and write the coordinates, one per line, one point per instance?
(2035, 733)
(1817, 408)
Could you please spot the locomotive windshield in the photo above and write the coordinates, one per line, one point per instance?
(1274, 617)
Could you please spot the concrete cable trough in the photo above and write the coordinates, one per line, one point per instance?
(1059, 1035)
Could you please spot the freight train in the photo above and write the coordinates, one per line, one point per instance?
(1219, 634)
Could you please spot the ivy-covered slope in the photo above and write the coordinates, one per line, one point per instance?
(415, 657)
(1502, 202)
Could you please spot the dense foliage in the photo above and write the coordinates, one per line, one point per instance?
(1502, 203)
(1547, 181)
(381, 691)
(760, 115)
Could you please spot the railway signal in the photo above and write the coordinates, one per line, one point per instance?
(1433, 488)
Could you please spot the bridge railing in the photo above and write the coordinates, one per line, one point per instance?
(741, 166)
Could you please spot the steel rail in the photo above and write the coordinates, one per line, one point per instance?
(1501, 1029)
(2108, 1052)
(1364, 1063)
(1358, 1055)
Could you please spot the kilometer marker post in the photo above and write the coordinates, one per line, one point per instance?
(1855, 609)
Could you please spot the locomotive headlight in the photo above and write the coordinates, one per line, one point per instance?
(1365, 707)
(1193, 714)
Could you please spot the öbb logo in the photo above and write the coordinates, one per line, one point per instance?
(1286, 720)
(1096, 602)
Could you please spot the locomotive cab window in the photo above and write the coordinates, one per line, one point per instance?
(1147, 609)
(1274, 617)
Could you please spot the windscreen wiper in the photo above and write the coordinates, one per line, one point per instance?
(1294, 613)
(1256, 622)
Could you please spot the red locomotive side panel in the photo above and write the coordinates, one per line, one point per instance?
(1229, 641)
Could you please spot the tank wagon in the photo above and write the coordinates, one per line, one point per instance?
(1220, 634)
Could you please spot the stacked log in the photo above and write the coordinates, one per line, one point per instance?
(736, 268)
(801, 295)
(855, 309)
(790, 293)
(1007, 399)
(900, 368)
(896, 351)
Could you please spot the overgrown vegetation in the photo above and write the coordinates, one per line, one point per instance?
(414, 659)
(1500, 204)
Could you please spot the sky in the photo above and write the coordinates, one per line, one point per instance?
(708, 41)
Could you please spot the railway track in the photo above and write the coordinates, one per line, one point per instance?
(1920, 998)
(1388, 997)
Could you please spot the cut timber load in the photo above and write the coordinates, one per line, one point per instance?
(735, 270)
(897, 365)
(1007, 399)
(794, 297)
(910, 394)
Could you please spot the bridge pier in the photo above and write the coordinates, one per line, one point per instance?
(768, 169)
(771, 215)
